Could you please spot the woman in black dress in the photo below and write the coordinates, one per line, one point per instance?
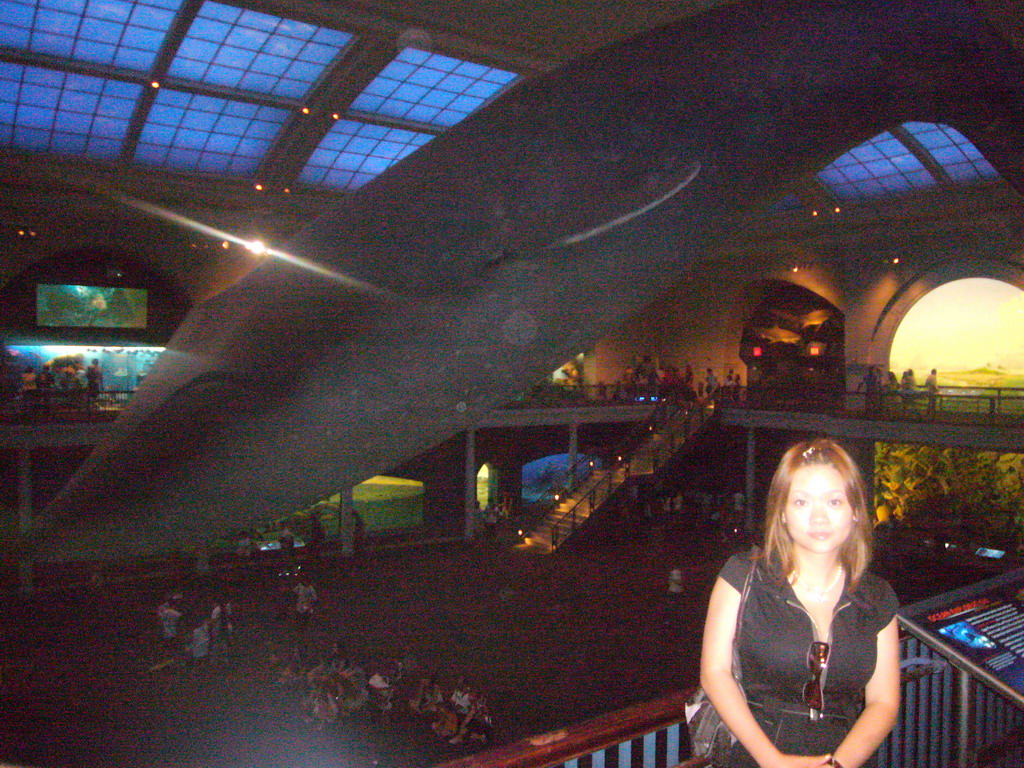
(819, 649)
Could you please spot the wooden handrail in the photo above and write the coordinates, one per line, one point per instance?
(556, 747)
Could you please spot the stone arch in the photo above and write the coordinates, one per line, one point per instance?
(926, 280)
(792, 339)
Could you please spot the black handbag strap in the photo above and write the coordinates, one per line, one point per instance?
(737, 672)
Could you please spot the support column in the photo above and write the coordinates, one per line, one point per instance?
(863, 454)
(574, 435)
(751, 469)
(25, 566)
(470, 494)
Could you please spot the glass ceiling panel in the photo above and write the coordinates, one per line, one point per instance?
(48, 111)
(120, 33)
(253, 51)
(190, 132)
(431, 89)
(353, 153)
(953, 151)
(879, 167)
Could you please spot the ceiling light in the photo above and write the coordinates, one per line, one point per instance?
(257, 246)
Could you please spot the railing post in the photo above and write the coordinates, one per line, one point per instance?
(967, 756)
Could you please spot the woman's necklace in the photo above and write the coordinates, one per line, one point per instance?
(818, 594)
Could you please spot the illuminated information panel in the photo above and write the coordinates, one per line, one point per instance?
(980, 628)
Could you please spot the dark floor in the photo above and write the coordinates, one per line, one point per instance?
(551, 640)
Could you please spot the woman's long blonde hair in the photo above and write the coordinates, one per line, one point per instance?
(855, 554)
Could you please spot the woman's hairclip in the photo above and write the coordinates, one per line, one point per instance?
(809, 453)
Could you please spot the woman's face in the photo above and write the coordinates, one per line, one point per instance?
(818, 514)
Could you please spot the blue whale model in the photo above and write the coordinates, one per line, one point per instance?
(509, 244)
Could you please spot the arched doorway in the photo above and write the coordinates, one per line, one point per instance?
(793, 343)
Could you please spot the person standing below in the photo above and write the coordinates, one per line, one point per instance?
(198, 647)
(305, 600)
(44, 387)
(168, 614)
(93, 382)
(710, 385)
(819, 649)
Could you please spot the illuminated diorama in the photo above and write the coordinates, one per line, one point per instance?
(971, 331)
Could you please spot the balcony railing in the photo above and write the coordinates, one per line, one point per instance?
(947, 719)
(64, 405)
(995, 405)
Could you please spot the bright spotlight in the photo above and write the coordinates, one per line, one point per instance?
(183, 221)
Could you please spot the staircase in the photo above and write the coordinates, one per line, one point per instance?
(653, 444)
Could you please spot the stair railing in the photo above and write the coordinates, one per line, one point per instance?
(627, 459)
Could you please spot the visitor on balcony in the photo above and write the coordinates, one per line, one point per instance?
(818, 650)
(908, 387)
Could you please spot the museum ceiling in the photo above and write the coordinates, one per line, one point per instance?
(310, 138)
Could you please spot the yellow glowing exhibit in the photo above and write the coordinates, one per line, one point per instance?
(971, 330)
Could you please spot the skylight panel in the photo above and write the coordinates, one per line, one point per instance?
(882, 166)
(953, 151)
(353, 153)
(120, 33)
(48, 111)
(252, 51)
(431, 89)
(202, 133)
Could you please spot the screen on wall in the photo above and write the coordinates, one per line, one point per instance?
(90, 306)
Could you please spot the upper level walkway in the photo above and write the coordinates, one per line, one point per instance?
(985, 419)
(979, 419)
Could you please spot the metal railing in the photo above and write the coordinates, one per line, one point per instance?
(652, 735)
(646, 449)
(928, 731)
(993, 405)
(949, 719)
(56, 405)
(551, 395)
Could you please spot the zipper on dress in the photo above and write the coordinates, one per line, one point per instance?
(814, 635)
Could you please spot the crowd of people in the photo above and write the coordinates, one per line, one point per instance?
(648, 379)
(328, 687)
(65, 382)
(875, 386)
